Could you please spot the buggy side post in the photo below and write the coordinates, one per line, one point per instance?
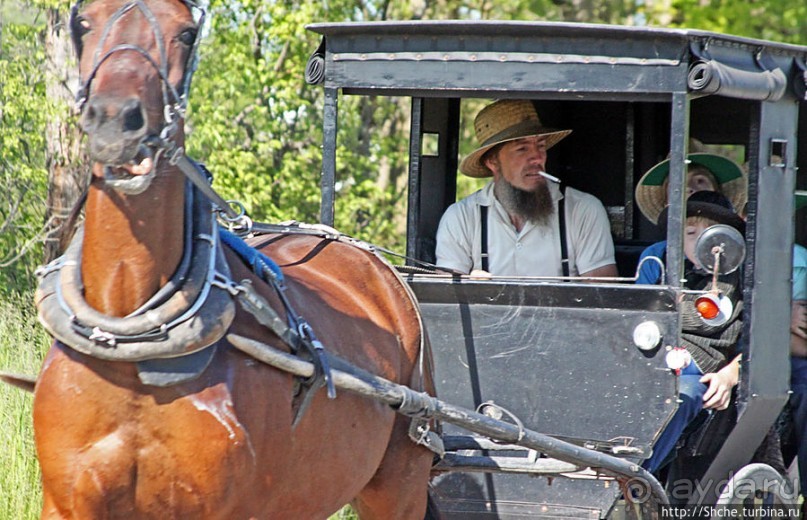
(763, 391)
(432, 173)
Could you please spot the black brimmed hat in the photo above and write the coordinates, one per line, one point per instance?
(711, 205)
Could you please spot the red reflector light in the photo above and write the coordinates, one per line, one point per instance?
(707, 306)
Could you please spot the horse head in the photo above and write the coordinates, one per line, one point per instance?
(136, 58)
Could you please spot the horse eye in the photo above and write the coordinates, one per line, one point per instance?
(82, 26)
(188, 36)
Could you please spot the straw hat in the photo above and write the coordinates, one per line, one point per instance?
(502, 121)
(651, 193)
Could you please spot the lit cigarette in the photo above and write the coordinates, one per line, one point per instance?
(550, 177)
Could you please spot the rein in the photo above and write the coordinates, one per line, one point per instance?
(201, 178)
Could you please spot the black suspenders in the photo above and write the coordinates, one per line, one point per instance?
(564, 253)
(483, 213)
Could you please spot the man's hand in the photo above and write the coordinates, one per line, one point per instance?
(718, 395)
(798, 318)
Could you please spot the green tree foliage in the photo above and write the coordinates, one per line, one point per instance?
(258, 126)
(23, 177)
(777, 20)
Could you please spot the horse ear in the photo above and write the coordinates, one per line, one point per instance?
(76, 30)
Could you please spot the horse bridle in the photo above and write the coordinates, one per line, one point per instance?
(174, 103)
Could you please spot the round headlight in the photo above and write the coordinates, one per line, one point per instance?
(647, 335)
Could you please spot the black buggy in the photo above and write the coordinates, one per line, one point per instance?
(563, 356)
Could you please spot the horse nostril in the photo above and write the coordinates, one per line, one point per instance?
(133, 117)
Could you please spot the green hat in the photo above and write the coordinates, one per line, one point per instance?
(651, 194)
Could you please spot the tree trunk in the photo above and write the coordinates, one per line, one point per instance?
(66, 160)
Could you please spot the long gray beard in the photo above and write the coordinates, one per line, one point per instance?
(533, 206)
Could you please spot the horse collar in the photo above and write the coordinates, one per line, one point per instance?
(193, 315)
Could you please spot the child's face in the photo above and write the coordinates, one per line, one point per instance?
(692, 231)
(699, 181)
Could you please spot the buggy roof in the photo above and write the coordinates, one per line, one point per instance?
(516, 29)
(469, 58)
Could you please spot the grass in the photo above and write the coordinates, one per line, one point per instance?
(22, 346)
(346, 513)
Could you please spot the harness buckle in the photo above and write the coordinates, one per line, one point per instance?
(80, 102)
(240, 224)
(319, 355)
(222, 282)
(176, 155)
(169, 129)
(306, 332)
(101, 336)
(44, 270)
(168, 114)
(170, 111)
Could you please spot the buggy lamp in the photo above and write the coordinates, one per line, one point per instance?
(647, 335)
(678, 359)
(714, 309)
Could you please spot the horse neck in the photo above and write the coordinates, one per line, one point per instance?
(132, 244)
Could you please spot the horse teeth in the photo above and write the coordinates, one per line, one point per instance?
(143, 168)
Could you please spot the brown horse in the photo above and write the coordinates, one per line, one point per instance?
(220, 445)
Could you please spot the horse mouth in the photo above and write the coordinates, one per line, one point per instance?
(133, 176)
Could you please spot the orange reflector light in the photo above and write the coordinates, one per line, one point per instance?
(707, 306)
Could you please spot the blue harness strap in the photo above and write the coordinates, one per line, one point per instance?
(261, 264)
(298, 333)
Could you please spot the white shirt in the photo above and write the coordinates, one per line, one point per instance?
(535, 251)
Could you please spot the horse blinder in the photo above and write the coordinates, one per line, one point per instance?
(77, 31)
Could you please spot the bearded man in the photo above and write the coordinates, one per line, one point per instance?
(513, 226)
